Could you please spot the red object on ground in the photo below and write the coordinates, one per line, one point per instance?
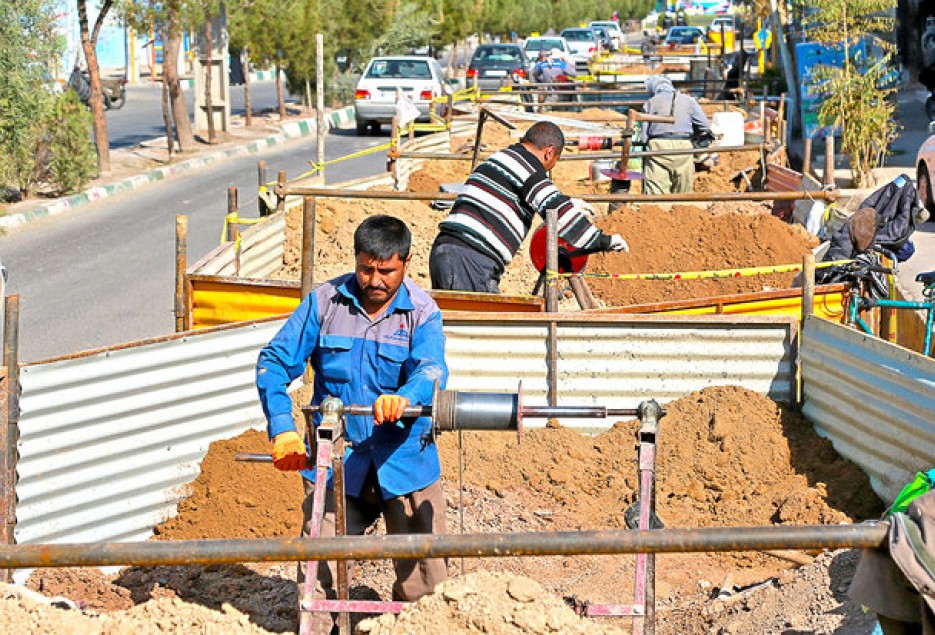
(566, 263)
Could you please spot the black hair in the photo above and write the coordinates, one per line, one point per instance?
(382, 236)
(544, 134)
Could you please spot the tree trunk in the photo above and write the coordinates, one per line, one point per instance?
(209, 73)
(279, 95)
(101, 140)
(167, 117)
(170, 58)
(248, 106)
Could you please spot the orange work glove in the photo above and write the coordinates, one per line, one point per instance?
(289, 452)
(389, 408)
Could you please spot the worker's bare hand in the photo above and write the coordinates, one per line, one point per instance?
(617, 243)
(289, 452)
(389, 408)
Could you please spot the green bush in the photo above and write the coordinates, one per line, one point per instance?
(72, 158)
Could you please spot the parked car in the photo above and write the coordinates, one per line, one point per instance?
(925, 171)
(584, 45)
(617, 37)
(686, 39)
(419, 77)
(533, 45)
(492, 64)
(603, 37)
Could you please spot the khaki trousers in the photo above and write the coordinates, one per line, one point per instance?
(668, 174)
(421, 512)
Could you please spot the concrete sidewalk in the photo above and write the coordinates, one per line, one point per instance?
(30, 211)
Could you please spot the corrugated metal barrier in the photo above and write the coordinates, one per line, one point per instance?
(111, 438)
(873, 399)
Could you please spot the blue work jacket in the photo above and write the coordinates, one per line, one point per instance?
(357, 359)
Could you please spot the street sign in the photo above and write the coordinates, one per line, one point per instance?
(763, 39)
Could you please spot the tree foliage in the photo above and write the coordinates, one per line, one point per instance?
(857, 94)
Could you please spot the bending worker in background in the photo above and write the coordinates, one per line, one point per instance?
(670, 173)
(493, 214)
(371, 336)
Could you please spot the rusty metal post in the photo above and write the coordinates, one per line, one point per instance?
(551, 301)
(308, 244)
(233, 229)
(450, 113)
(807, 159)
(482, 115)
(262, 207)
(828, 176)
(808, 285)
(181, 265)
(320, 102)
(280, 198)
(340, 529)
(9, 421)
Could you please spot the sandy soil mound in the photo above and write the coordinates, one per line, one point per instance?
(485, 602)
(21, 613)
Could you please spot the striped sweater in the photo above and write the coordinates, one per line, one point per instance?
(502, 196)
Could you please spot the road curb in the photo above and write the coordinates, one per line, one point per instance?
(255, 76)
(290, 130)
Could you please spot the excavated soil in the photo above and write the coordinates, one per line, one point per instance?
(727, 456)
(662, 239)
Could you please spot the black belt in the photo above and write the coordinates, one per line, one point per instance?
(673, 137)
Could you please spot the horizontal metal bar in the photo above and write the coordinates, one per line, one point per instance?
(594, 155)
(613, 610)
(354, 606)
(418, 546)
(703, 197)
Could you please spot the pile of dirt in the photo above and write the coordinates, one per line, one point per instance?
(662, 239)
(685, 238)
(22, 612)
(486, 602)
(727, 456)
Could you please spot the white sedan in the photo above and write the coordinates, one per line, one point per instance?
(418, 77)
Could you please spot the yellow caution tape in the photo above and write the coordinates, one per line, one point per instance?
(234, 219)
(318, 167)
(698, 275)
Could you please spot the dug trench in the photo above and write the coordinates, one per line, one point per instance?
(727, 456)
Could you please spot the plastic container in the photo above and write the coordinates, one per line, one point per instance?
(731, 126)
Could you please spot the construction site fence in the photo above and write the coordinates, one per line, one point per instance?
(109, 440)
(403, 168)
(873, 399)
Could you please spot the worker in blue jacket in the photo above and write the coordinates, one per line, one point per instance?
(371, 336)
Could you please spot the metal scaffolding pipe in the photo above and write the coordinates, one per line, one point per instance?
(587, 156)
(702, 197)
(409, 546)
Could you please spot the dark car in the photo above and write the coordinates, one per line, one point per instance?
(493, 64)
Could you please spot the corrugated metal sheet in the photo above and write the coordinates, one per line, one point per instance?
(109, 440)
(620, 360)
(262, 247)
(873, 399)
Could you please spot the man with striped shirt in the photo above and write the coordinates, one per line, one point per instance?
(493, 214)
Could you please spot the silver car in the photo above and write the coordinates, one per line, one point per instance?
(418, 77)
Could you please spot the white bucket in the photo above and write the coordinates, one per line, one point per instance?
(730, 124)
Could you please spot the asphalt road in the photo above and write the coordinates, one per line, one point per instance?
(140, 118)
(105, 274)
